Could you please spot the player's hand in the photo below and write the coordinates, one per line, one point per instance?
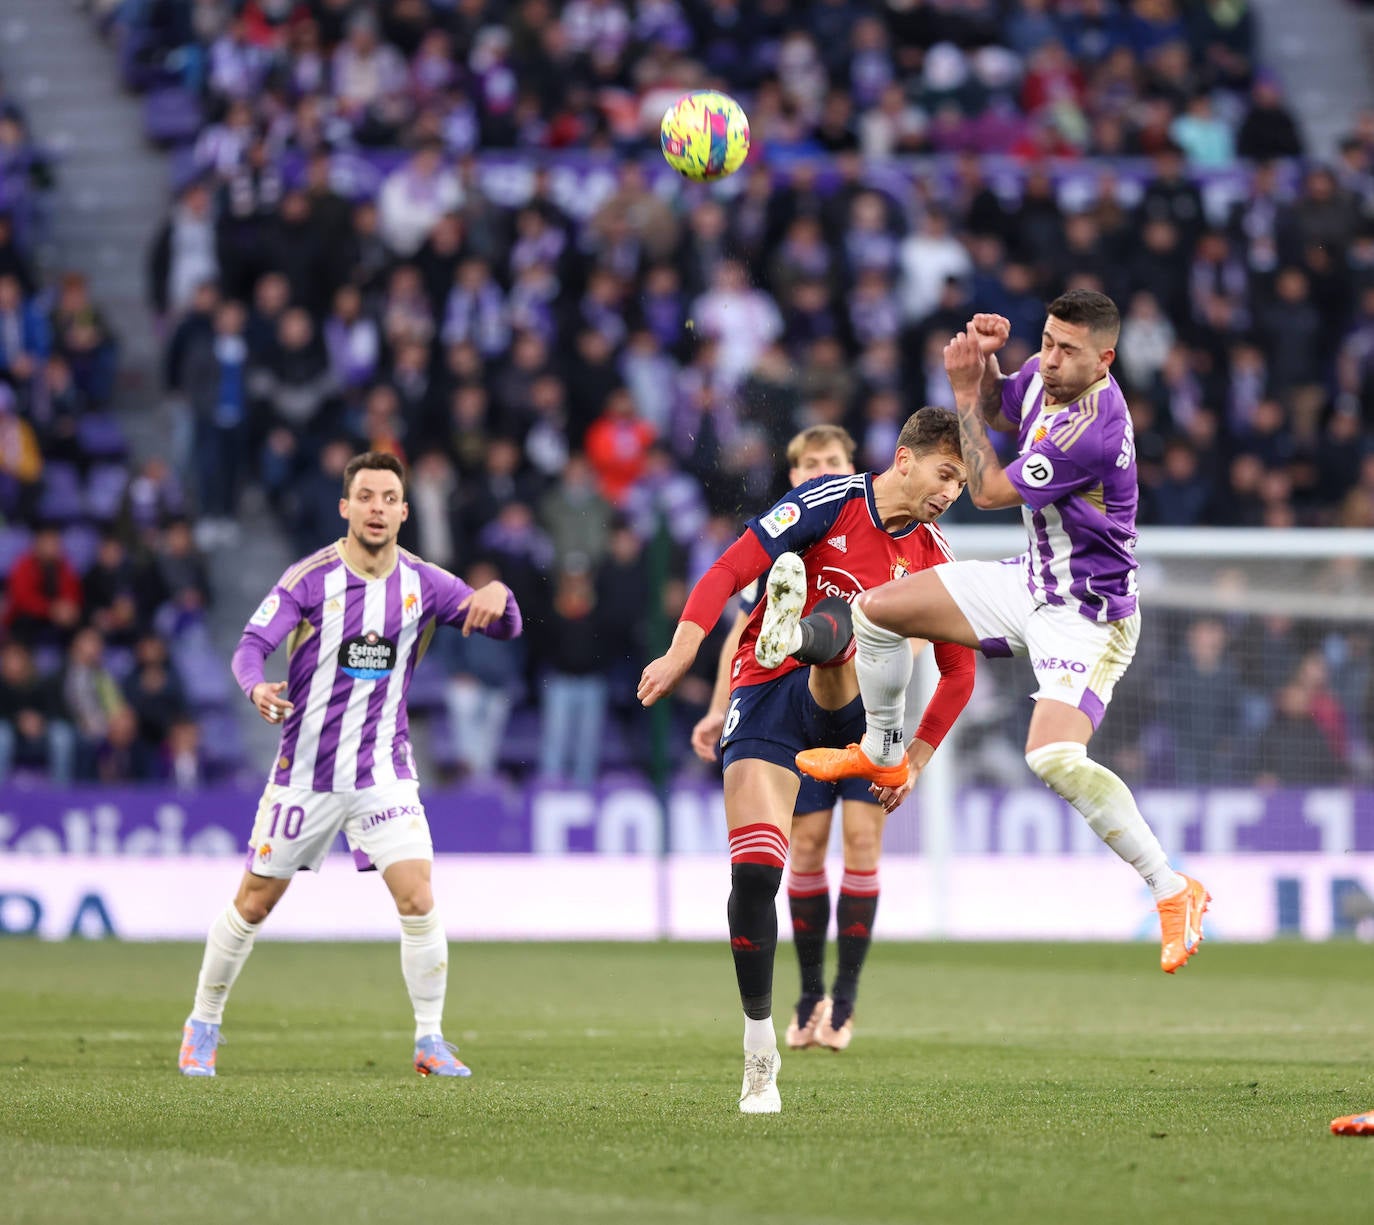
(661, 677)
(991, 331)
(964, 363)
(485, 605)
(271, 705)
(891, 797)
(706, 735)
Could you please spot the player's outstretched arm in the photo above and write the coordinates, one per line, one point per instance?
(966, 364)
(664, 674)
(729, 574)
(706, 734)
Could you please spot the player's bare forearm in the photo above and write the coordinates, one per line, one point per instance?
(990, 397)
(663, 674)
(988, 483)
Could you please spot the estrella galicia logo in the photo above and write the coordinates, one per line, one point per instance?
(368, 657)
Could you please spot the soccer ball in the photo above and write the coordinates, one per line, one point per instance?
(705, 135)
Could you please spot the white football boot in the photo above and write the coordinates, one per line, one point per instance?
(785, 596)
(759, 1093)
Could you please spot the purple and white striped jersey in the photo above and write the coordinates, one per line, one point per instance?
(353, 644)
(1075, 470)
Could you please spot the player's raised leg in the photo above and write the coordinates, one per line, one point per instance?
(1057, 753)
(227, 946)
(759, 796)
(917, 606)
(819, 636)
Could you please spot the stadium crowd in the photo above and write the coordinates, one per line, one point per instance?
(583, 357)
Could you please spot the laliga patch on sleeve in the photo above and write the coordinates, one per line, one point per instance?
(778, 520)
(1037, 472)
(266, 611)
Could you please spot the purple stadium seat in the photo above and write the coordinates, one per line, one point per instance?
(204, 673)
(221, 743)
(61, 500)
(80, 542)
(105, 491)
(100, 437)
(14, 542)
(171, 116)
(120, 662)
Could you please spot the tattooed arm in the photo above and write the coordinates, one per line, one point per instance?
(966, 365)
(991, 333)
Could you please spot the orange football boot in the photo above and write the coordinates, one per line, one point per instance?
(1180, 924)
(831, 765)
(1354, 1125)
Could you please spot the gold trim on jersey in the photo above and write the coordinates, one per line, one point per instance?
(367, 578)
(1095, 496)
(311, 563)
(1075, 425)
(422, 645)
(298, 637)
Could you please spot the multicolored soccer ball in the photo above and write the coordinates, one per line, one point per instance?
(705, 135)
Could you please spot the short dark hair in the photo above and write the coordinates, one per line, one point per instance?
(370, 461)
(1088, 306)
(931, 429)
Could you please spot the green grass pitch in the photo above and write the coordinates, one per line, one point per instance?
(1026, 1083)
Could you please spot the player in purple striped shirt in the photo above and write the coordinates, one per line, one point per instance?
(356, 617)
(1068, 602)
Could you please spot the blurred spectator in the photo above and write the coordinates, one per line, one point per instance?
(21, 461)
(183, 255)
(216, 383)
(1268, 130)
(106, 726)
(34, 727)
(576, 517)
(485, 681)
(162, 748)
(574, 690)
(43, 602)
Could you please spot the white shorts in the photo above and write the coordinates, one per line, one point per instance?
(295, 827)
(1075, 660)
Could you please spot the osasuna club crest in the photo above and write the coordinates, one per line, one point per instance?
(901, 567)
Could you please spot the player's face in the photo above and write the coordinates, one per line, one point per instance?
(375, 508)
(1071, 360)
(933, 483)
(826, 460)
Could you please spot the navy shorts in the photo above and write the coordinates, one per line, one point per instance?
(776, 720)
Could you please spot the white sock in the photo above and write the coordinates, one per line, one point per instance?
(794, 643)
(759, 1035)
(226, 949)
(1110, 809)
(883, 663)
(424, 962)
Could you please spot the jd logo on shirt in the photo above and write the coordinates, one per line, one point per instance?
(367, 658)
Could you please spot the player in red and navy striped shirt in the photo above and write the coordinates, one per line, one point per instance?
(852, 533)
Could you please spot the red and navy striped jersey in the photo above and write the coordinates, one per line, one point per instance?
(832, 522)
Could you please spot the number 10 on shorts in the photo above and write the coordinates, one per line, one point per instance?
(291, 820)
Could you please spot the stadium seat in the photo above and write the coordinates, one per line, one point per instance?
(14, 543)
(171, 116)
(80, 542)
(100, 437)
(105, 491)
(61, 500)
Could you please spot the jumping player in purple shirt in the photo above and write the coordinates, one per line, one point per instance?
(1069, 602)
(355, 617)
